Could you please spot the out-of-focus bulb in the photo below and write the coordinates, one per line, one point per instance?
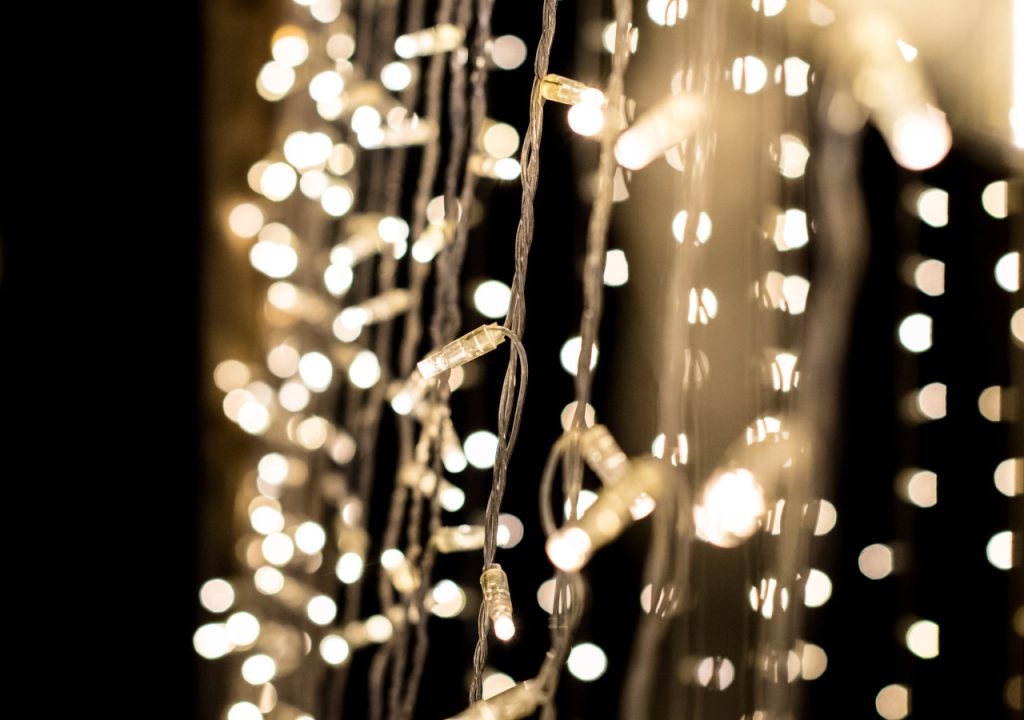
(730, 508)
(668, 123)
(571, 547)
(429, 41)
(459, 538)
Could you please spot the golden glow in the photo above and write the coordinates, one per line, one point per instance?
(253, 417)
(921, 488)
(268, 580)
(921, 140)
(278, 181)
(500, 140)
(326, 86)
(702, 233)
(820, 14)
(1017, 326)
(231, 375)
(1013, 692)
(217, 595)
(784, 374)
(790, 231)
(569, 355)
(796, 72)
(340, 46)
(245, 220)
(730, 508)
(277, 548)
(378, 628)
(334, 649)
(749, 74)
(275, 260)
(259, 669)
(587, 662)
(716, 673)
(508, 52)
(922, 639)
(364, 372)
(1009, 477)
(312, 432)
(818, 589)
(666, 12)
(933, 207)
(876, 561)
(995, 199)
(999, 550)
(793, 156)
(586, 119)
(1008, 272)
(289, 46)
(893, 702)
(908, 51)
(316, 371)
(273, 468)
(495, 683)
(265, 516)
(330, 109)
(244, 711)
(310, 537)
(212, 641)
(491, 298)
(349, 568)
(396, 76)
(915, 332)
(569, 411)
(337, 200)
(616, 268)
(452, 497)
(449, 599)
(283, 360)
(813, 662)
(338, 279)
(325, 11)
(307, 150)
(481, 449)
(321, 610)
(703, 307)
(569, 549)
(429, 41)
(274, 81)
(243, 629)
(341, 159)
(931, 401)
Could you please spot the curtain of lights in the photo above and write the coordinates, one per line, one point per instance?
(708, 242)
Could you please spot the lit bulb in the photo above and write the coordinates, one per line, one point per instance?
(429, 41)
(570, 92)
(571, 547)
(460, 351)
(498, 601)
(730, 508)
(668, 123)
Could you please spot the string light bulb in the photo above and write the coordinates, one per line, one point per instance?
(608, 461)
(519, 701)
(429, 41)
(498, 602)
(461, 350)
(668, 123)
(460, 538)
(571, 547)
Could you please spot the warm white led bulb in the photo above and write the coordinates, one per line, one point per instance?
(666, 124)
(429, 41)
(498, 601)
(460, 351)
